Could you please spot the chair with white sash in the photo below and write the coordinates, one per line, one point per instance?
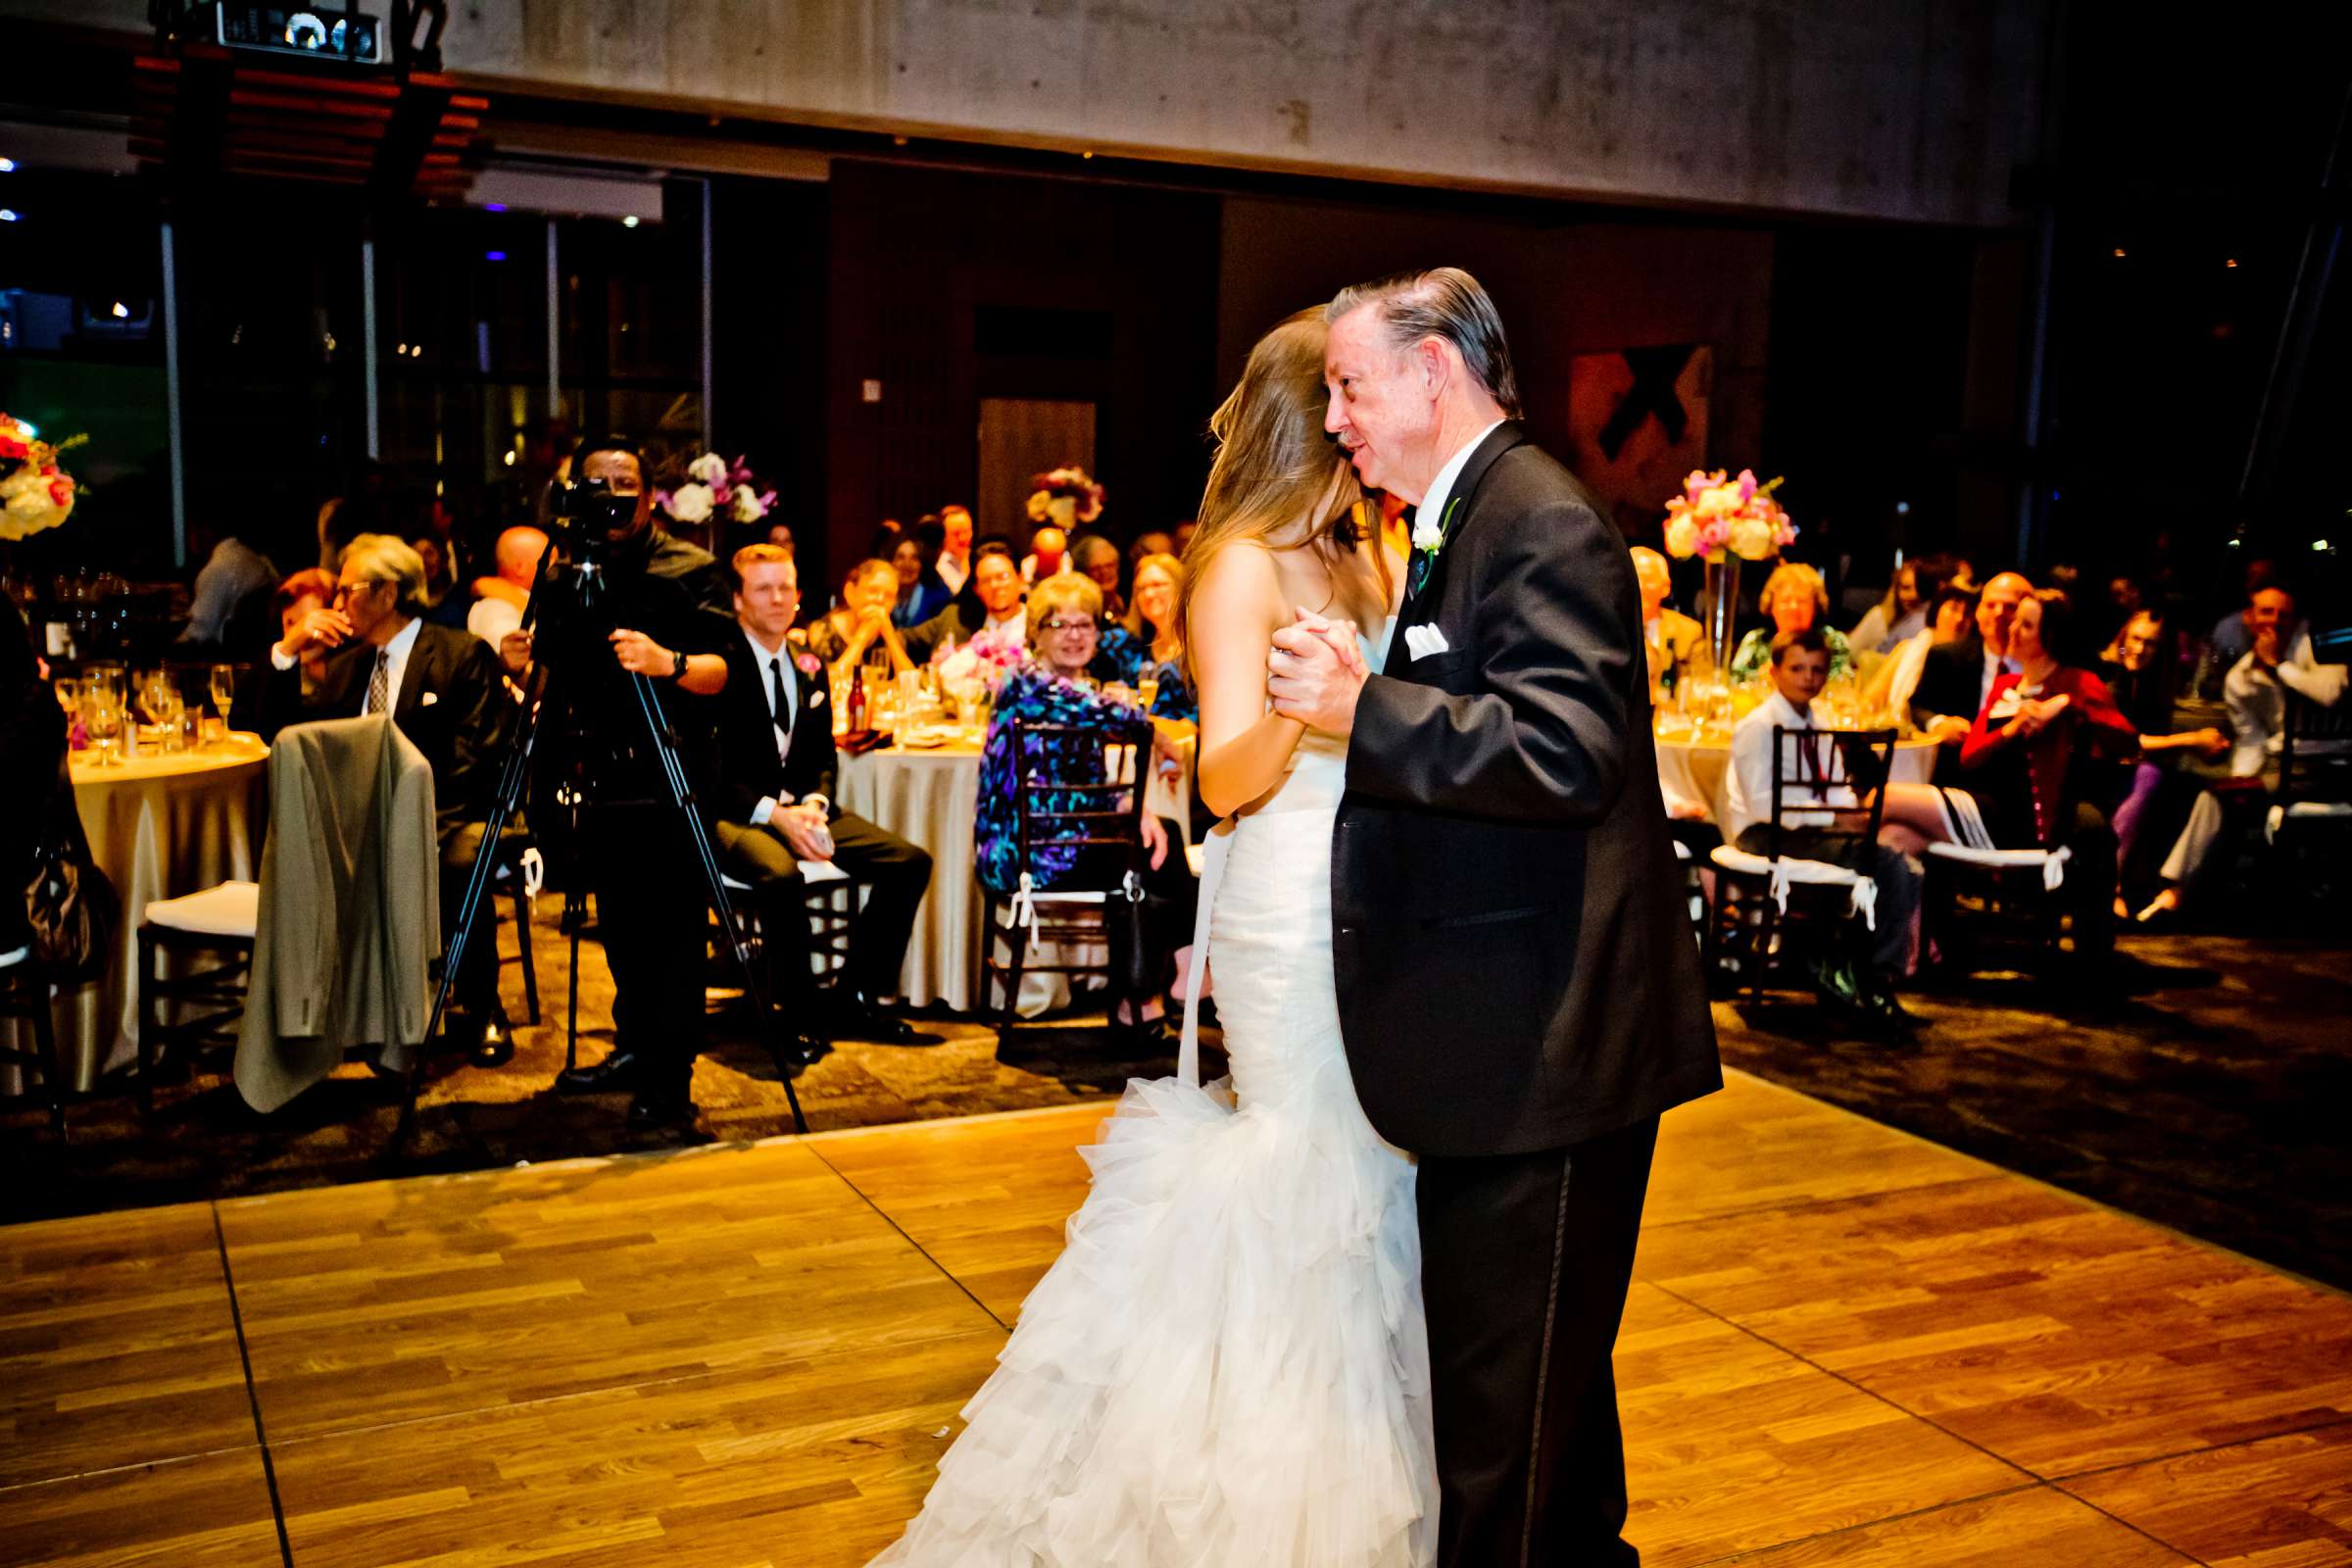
(191, 1011)
(1093, 820)
(1771, 907)
(1981, 900)
(2313, 808)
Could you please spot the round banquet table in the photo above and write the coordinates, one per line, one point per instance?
(160, 825)
(930, 798)
(1701, 769)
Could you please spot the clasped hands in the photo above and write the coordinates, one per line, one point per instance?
(1315, 672)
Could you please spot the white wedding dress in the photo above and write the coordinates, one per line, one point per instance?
(1227, 1365)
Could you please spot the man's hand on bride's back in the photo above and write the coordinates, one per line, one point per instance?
(1315, 672)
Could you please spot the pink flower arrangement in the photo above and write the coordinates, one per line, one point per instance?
(989, 657)
(35, 492)
(1715, 513)
(714, 485)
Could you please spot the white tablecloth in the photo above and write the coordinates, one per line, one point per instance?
(929, 797)
(1699, 770)
(160, 826)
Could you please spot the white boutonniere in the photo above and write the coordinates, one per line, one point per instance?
(1428, 539)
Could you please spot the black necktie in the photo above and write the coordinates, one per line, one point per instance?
(379, 683)
(778, 707)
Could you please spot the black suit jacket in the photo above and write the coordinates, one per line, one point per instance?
(1515, 960)
(1952, 681)
(748, 765)
(463, 730)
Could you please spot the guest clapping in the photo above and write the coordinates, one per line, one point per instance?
(2035, 754)
(1959, 677)
(1052, 688)
(1794, 597)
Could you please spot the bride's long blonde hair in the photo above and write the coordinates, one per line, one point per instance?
(1274, 464)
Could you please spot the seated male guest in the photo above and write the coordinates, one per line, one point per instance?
(443, 689)
(2039, 762)
(1671, 636)
(991, 604)
(500, 599)
(1959, 676)
(1798, 671)
(775, 808)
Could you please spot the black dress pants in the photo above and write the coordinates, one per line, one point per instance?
(2089, 890)
(896, 874)
(1525, 1261)
(651, 898)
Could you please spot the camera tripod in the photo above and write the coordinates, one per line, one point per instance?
(515, 774)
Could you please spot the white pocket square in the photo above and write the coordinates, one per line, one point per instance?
(428, 699)
(1422, 641)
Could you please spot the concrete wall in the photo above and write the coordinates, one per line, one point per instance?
(1903, 109)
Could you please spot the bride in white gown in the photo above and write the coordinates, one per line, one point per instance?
(1227, 1364)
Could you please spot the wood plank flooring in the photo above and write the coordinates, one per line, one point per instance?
(1844, 1348)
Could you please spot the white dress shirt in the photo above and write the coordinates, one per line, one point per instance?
(1995, 666)
(771, 661)
(1441, 489)
(2256, 699)
(1014, 626)
(1747, 791)
(395, 655)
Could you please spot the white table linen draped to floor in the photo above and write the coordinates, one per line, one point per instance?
(159, 826)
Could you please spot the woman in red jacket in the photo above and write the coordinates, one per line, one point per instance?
(2040, 755)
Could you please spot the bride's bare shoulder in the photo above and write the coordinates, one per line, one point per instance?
(1241, 578)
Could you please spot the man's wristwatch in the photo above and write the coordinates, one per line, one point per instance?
(678, 666)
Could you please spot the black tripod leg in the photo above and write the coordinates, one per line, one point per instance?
(681, 794)
(574, 917)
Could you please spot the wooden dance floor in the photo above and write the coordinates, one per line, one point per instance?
(1844, 1346)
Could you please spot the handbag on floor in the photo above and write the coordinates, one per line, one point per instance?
(73, 909)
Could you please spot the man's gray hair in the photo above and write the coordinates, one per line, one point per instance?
(1443, 302)
(386, 558)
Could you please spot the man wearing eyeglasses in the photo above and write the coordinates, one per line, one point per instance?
(442, 688)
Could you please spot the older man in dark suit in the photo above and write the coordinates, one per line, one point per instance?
(1518, 990)
(442, 688)
(776, 812)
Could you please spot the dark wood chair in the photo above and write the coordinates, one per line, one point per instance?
(1770, 908)
(24, 995)
(1079, 788)
(2312, 811)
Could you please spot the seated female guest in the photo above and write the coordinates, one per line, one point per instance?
(1903, 613)
(1052, 688)
(2143, 674)
(1147, 642)
(1795, 597)
(2034, 756)
(859, 631)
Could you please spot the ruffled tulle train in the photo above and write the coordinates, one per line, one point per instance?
(1227, 1364)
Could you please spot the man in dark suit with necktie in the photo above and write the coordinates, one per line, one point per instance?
(442, 688)
(776, 812)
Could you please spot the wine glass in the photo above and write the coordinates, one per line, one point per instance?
(102, 717)
(68, 693)
(225, 693)
(1146, 687)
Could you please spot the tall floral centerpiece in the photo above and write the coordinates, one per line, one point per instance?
(1064, 497)
(1725, 521)
(35, 492)
(715, 486)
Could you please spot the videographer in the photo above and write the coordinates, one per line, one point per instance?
(624, 598)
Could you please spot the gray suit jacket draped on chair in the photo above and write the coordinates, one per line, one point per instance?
(350, 913)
